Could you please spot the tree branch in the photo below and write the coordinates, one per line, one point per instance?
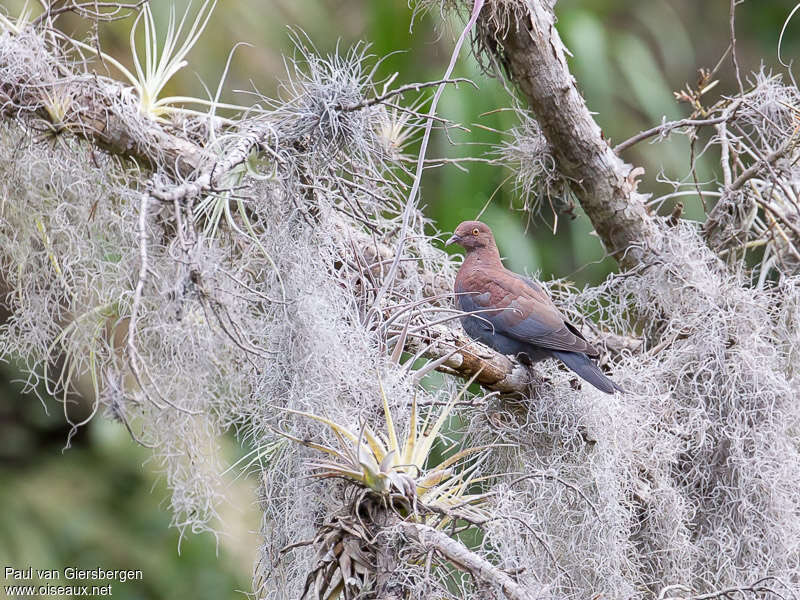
(758, 587)
(402, 90)
(99, 109)
(433, 540)
(666, 128)
(497, 371)
(529, 47)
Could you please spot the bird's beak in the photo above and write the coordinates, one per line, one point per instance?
(454, 239)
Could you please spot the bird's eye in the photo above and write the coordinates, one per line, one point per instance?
(475, 231)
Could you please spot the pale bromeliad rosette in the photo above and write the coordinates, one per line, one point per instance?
(398, 484)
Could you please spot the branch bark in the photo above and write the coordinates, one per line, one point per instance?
(497, 371)
(531, 50)
(99, 109)
(386, 560)
(433, 540)
(151, 145)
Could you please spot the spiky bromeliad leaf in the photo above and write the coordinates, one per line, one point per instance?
(387, 464)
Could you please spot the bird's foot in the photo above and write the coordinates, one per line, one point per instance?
(587, 437)
(524, 359)
(537, 384)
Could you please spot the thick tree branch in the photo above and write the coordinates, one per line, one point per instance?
(102, 113)
(529, 46)
(467, 357)
(99, 109)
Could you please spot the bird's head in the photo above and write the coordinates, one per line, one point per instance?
(472, 235)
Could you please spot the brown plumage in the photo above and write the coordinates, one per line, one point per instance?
(513, 314)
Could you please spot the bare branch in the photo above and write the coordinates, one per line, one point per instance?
(402, 90)
(764, 586)
(210, 177)
(665, 128)
(768, 161)
(732, 26)
(99, 11)
(461, 557)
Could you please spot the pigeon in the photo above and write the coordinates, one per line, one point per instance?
(513, 314)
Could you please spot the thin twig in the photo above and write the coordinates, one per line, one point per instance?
(732, 23)
(757, 587)
(92, 10)
(753, 169)
(665, 128)
(402, 90)
(411, 203)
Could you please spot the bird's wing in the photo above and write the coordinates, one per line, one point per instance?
(513, 307)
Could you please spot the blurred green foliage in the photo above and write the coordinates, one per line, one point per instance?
(93, 505)
(99, 504)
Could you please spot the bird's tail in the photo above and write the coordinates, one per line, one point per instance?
(588, 370)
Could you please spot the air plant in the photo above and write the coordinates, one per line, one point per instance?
(154, 72)
(58, 103)
(21, 22)
(154, 69)
(395, 129)
(211, 209)
(158, 68)
(390, 467)
(398, 482)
